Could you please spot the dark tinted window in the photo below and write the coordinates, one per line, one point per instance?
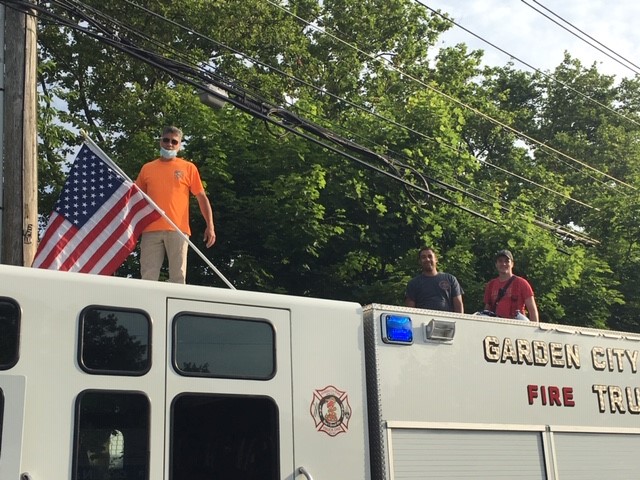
(9, 333)
(111, 436)
(224, 438)
(223, 347)
(114, 341)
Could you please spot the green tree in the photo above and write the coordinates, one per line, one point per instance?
(295, 217)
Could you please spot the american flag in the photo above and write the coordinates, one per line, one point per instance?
(96, 221)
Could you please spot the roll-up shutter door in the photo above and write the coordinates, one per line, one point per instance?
(466, 454)
(597, 456)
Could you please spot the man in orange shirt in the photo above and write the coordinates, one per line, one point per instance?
(169, 180)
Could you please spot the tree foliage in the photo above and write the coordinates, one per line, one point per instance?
(477, 158)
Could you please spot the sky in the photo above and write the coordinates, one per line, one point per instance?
(528, 35)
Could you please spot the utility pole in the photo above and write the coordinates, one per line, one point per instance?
(19, 207)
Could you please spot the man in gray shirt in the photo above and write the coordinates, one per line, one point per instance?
(432, 289)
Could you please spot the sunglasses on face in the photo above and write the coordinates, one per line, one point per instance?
(172, 141)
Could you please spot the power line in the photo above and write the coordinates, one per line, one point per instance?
(482, 196)
(324, 91)
(630, 65)
(602, 183)
(271, 114)
(537, 70)
(287, 117)
(499, 123)
(195, 75)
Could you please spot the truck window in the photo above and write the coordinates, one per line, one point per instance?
(111, 436)
(9, 333)
(224, 437)
(223, 347)
(114, 341)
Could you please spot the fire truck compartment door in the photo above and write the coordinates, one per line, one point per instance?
(12, 392)
(262, 398)
(588, 456)
(478, 454)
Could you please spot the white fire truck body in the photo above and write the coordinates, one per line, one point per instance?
(111, 378)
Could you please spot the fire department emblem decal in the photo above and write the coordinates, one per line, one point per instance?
(330, 410)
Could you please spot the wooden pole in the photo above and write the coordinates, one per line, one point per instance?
(20, 209)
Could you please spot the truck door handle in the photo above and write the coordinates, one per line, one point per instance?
(303, 471)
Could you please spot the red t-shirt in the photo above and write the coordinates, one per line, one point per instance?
(519, 290)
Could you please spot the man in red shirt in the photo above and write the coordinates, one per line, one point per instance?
(509, 294)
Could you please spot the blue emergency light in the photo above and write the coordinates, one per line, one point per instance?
(396, 329)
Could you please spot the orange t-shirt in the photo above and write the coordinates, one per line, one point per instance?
(168, 183)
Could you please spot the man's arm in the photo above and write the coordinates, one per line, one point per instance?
(207, 214)
(458, 306)
(456, 301)
(410, 294)
(532, 309)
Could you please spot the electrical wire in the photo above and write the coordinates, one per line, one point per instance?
(537, 70)
(285, 120)
(288, 121)
(629, 65)
(324, 91)
(603, 183)
(352, 145)
(497, 122)
(482, 197)
(122, 26)
(405, 166)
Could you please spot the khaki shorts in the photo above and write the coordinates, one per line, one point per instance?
(153, 248)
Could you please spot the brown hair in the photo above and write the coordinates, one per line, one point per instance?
(174, 130)
(423, 248)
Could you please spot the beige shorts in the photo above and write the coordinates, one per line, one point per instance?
(153, 248)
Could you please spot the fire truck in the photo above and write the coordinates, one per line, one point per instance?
(120, 378)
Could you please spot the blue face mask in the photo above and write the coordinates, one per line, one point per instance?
(164, 153)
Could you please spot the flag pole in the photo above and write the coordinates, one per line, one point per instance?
(120, 172)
